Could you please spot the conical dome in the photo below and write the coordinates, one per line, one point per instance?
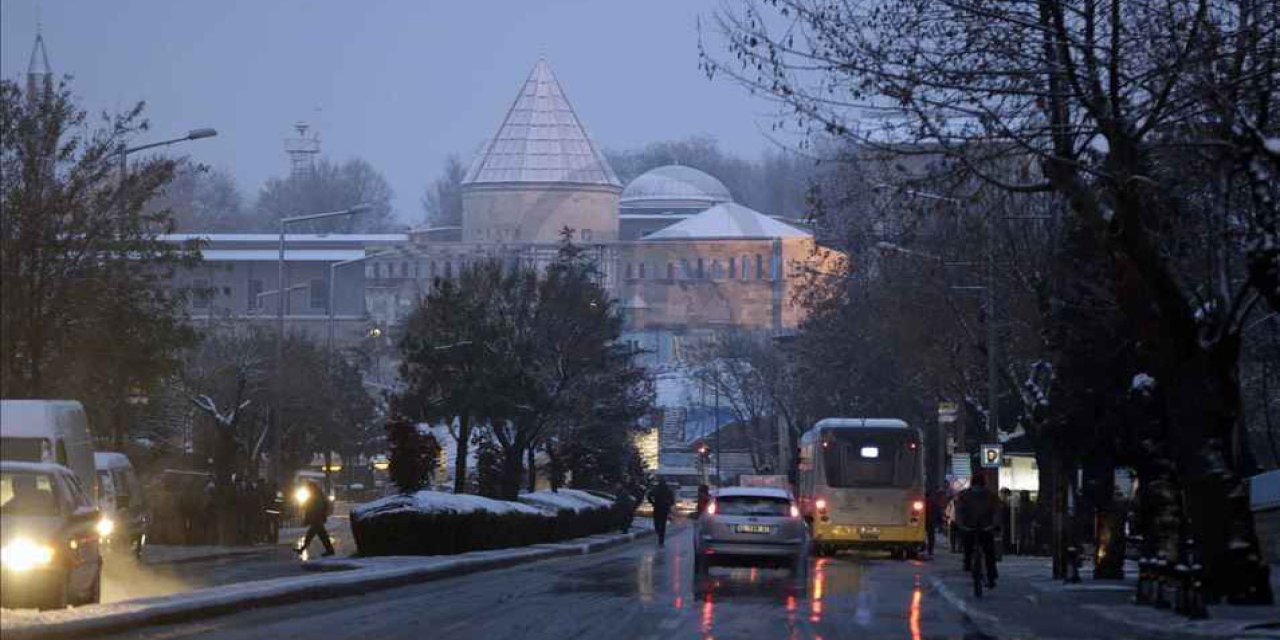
(541, 141)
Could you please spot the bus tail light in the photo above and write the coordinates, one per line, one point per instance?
(795, 511)
(917, 506)
(821, 504)
(711, 508)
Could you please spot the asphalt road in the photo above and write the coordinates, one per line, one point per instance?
(635, 591)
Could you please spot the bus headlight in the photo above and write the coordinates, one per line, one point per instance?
(105, 527)
(302, 495)
(23, 555)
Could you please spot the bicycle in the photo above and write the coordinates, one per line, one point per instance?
(977, 558)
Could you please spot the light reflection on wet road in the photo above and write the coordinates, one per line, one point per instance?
(636, 591)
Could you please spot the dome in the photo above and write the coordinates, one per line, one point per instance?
(674, 186)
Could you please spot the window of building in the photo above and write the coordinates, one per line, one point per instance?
(200, 293)
(701, 272)
(717, 270)
(671, 271)
(642, 271)
(448, 269)
(255, 294)
(685, 271)
(630, 273)
(733, 268)
(319, 294)
(759, 267)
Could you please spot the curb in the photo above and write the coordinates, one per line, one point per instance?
(359, 579)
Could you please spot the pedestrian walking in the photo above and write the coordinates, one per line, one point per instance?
(953, 527)
(933, 514)
(662, 498)
(314, 516)
(626, 507)
(704, 499)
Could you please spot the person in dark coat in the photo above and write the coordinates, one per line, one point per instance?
(626, 507)
(315, 514)
(933, 508)
(704, 499)
(978, 510)
(662, 498)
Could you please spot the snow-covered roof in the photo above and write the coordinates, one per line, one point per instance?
(674, 186)
(728, 221)
(272, 255)
(874, 423)
(289, 238)
(753, 492)
(541, 140)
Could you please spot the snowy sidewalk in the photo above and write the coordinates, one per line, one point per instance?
(1027, 600)
(336, 577)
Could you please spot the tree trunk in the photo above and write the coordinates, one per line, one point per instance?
(460, 454)
(509, 482)
(531, 468)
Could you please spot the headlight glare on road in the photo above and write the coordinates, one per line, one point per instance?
(302, 495)
(106, 526)
(23, 555)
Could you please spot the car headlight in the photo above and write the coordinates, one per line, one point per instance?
(302, 495)
(23, 554)
(106, 526)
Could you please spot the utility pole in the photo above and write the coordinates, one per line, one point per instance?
(993, 363)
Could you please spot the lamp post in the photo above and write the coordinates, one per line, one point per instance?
(277, 440)
(123, 154)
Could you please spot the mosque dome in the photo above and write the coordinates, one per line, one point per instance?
(674, 186)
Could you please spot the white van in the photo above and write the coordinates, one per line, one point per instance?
(121, 499)
(55, 431)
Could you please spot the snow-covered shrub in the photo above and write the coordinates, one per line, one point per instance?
(436, 523)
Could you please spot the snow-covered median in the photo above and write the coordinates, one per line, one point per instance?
(438, 502)
(566, 499)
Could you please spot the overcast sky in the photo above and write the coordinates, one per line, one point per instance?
(401, 83)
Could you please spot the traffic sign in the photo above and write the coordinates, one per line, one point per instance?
(948, 411)
(991, 455)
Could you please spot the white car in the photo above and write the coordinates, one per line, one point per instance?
(751, 526)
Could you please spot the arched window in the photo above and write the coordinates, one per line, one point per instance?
(642, 265)
(701, 272)
(685, 271)
(733, 268)
(759, 267)
(448, 269)
(717, 270)
(671, 271)
(630, 273)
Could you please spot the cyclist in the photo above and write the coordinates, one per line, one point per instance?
(976, 510)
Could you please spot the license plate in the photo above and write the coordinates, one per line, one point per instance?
(869, 533)
(753, 528)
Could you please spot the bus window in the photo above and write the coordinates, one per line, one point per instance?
(869, 459)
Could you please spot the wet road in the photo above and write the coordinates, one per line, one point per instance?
(635, 591)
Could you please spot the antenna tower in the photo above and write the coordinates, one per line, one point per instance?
(302, 151)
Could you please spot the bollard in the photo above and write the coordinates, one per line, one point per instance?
(1073, 564)
(1145, 592)
(1192, 601)
(1163, 575)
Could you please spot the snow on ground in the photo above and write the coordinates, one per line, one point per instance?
(439, 502)
(564, 499)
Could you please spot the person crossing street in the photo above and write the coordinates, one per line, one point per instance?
(662, 498)
(316, 512)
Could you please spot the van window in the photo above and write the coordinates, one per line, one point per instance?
(106, 485)
(62, 453)
(122, 488)
(24, 449)
(79, 498)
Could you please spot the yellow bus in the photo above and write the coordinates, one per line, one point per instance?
(861, 485)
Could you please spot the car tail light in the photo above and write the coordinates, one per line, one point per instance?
(917, 506)
(795, 511)
(711, 508)
(821, 504)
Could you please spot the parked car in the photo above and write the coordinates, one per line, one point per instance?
(50, 553)
(755, 526)
(123, 502)
(51, 431)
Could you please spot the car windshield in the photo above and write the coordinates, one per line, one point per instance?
(27, 493)
(752, 506)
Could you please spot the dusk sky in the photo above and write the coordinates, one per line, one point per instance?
(400, 83)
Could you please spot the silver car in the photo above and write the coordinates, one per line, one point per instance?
(49, 538)
(751, 526)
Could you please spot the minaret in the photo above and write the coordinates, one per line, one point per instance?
(39, 74)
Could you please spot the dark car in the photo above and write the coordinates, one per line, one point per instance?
(50, 552)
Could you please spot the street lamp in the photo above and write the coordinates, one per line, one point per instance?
(194, 134)
(277, 441)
